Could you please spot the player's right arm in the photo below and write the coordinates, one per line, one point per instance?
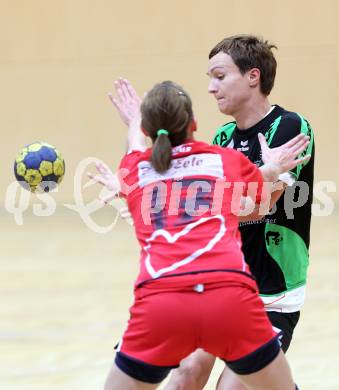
(127, 102)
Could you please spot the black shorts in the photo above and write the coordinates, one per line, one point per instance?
(286, 322)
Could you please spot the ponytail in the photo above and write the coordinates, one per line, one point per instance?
(161, 152)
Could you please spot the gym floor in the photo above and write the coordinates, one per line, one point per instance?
(65, 293)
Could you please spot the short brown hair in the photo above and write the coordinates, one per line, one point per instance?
(248, 52)
(166, 106)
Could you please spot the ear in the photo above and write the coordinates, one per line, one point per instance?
(254, 77)
(144, 131)
(193, 125)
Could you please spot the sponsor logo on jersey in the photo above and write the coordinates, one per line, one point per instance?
(194, 165)
(243, 146)
(181, 149)
(273, 238)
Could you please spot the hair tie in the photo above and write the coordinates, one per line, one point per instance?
(162, 131)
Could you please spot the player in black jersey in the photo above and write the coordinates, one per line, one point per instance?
(242, 71)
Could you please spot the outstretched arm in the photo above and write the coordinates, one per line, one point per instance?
(110, 181)
(107, 179)
(127, 102)
(276, 161)
(282, 158)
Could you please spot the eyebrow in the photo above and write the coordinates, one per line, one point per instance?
(214, 68)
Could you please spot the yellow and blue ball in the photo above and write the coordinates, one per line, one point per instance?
(39, 166)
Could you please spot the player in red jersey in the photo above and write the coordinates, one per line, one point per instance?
(194, 289)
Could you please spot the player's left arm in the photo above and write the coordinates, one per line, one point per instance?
(278, 160)
(111, 182)
(289, 127)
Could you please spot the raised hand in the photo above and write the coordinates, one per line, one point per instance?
(111, 182)
(107, 179)
(127, 102)
(285, 157)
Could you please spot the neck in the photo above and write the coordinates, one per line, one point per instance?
(251, 113)
(190, 136)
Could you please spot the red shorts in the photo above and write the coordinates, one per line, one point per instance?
(221, 313)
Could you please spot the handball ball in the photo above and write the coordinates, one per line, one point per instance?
(39, 166)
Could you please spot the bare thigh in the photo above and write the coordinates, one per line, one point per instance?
(228, 380)
(118, 380)
(275, 376)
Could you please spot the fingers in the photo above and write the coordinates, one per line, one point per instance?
(298, 142)
(114, 100)
(106, 177)
(126, 215)
(102, 168)
(126, 101)
(108, 198)
(118, 105)
(288, 151)
(125, 90)
(263, 143)
(121, 93)
(295, 150)
(124, 212)
(114, 189)
(120, 89)
(120, 205)
(302, 160)
(292, 144)
(98, 179)
(291, 159)
(292, 163)
(299, 148)
(298, 138)
(131, 91)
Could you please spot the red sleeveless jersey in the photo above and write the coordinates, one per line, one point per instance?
(185, 219)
